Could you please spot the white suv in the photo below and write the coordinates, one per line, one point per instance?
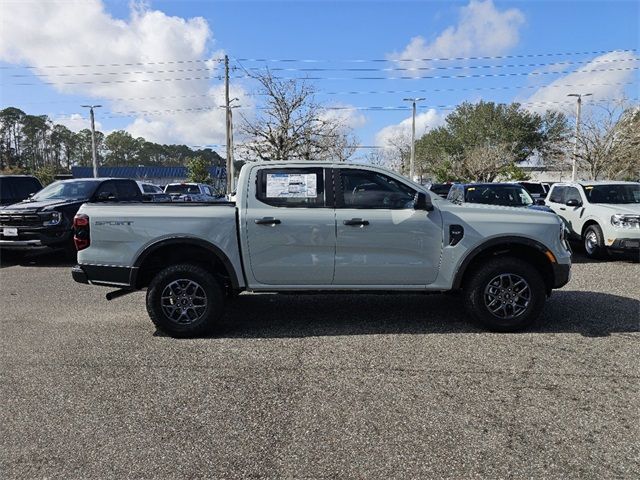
(603, 215)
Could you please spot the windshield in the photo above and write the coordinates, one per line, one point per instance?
(621, 193)
(535, 188)
(66, 190)
(182, 189)
(507, 195)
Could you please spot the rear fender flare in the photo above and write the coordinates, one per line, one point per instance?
(182, 242)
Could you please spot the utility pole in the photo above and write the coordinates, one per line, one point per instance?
(94, 155)
(574, 166)
(413, 135)
(230, 173)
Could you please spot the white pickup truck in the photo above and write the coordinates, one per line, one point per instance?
(309, 227)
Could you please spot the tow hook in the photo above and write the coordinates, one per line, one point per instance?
(118, 293)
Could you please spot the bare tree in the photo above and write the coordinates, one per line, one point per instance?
(292, 126)
(609, 141)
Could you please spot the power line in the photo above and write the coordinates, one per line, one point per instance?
(434, 59)
(130, 64)
(476, 75)
(132, 113)
(303, 60)
(402, 69)
(449, 67)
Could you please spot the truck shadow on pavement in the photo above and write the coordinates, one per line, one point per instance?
(280, 316)
(45, 258)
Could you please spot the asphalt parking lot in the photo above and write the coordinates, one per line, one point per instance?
(318, 386)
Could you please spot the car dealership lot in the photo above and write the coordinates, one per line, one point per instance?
(318, 386)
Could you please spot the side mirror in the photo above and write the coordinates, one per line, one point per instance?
(31, 195)
(105, 196)
(540, 201)
(422, 201)
(573, 203)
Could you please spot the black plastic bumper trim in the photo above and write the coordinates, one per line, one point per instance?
(626, 244)
(107, 275)
(561, 274)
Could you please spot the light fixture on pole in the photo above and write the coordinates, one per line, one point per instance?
(574, 166)
(413, 135)
(94, 156)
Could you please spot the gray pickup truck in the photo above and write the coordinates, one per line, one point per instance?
(310, 227)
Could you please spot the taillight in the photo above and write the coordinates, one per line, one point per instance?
(81, 231)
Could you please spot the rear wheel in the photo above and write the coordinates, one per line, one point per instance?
(505, 294)
(594, 242)
(185, 301)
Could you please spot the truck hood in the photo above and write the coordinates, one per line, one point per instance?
(501, 213)
(27, 206)
(626, 208)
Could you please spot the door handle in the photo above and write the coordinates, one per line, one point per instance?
(562, 208)
(267, 221)
(356, 222)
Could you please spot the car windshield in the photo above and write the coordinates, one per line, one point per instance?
(535, 188)
(182, 188)
(507, 195)
(66, 190)
(620, 193)
(440, 189)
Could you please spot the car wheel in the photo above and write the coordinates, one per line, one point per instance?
(505, 294)
(185, 301)
(594, 242)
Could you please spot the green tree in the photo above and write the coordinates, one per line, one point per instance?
(122, 149)
(198, 170)
(479, 141)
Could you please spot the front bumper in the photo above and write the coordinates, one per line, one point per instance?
(626, 244)
(35, 237)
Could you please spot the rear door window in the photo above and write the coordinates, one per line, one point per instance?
(292, 187)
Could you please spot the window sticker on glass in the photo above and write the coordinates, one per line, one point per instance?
(292, 185)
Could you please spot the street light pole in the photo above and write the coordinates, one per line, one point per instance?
(413, 135)
(574, 166)
(94, 156)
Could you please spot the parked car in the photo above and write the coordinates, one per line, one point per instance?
(537, 190)
(153, 193)
(504, 194)
(604, 216)
(312, 226)
(441, 189)
(15, 188)
(190, 192)
(46, 219)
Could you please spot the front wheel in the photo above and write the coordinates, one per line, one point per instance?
(505, 294)
(185, 301)
(594, 242)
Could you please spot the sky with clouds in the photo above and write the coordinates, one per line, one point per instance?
(155, 66)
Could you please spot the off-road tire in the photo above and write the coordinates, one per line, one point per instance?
(593, 242)
(209, 317)
(476, 299)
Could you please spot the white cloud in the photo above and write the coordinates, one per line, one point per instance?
(424, 122)
(75, 122)
(604, 77)
(346, 115)
(134, 63)
(482, 29)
